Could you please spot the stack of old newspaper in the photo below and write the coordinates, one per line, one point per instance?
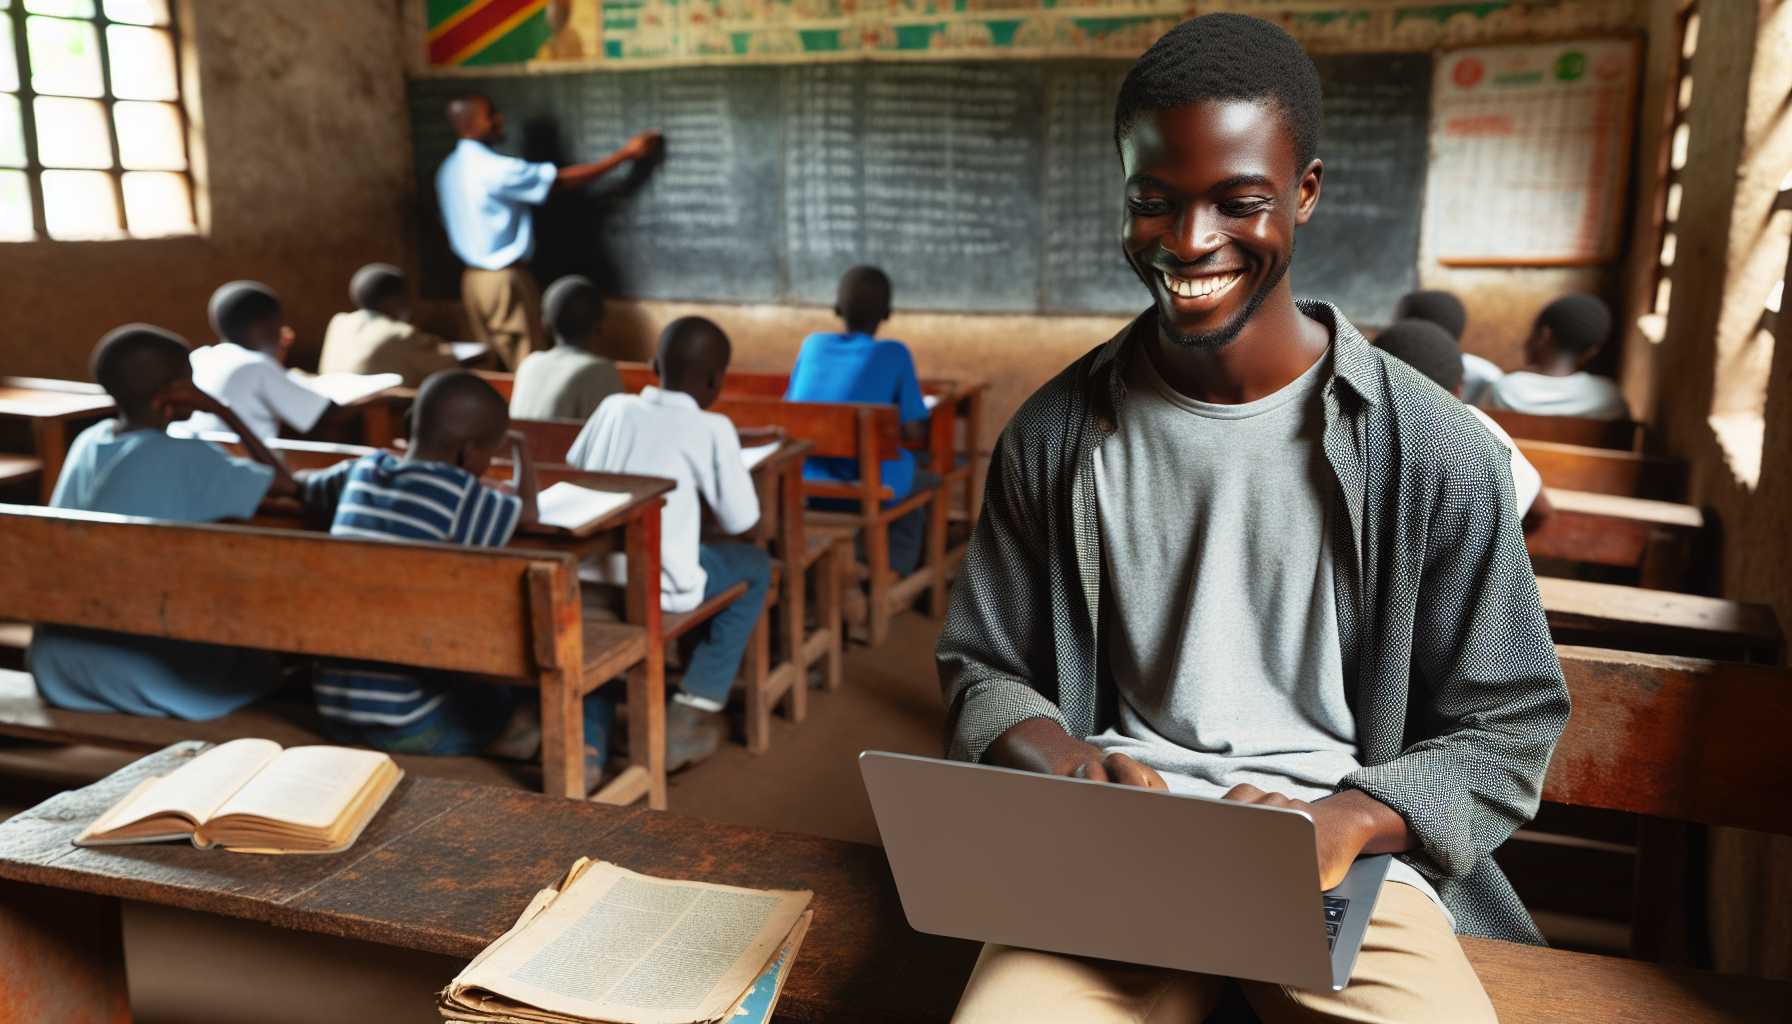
(609, 946)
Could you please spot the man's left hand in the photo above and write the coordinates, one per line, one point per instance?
(1341, 828)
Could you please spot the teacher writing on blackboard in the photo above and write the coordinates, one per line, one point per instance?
(486, 198)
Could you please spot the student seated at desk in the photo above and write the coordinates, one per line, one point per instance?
(1447, 311)
(665, 432)
(1567, 335)
(1429, 349)
(378, 336)
(1235, 552)
(129, 465)
(858, 366)
(246, 368)
(568, 381)
(434, 492)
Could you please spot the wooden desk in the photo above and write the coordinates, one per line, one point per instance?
(1657, 539)
(1623, 435)
(1606, 471)
(50, 414)
(446, 867)
(1659, 621)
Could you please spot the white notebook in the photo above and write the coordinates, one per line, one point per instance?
(347, 388)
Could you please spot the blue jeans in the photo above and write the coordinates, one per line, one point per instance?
(722, 641)
(715, 661)
(471, 715)
(908, 532)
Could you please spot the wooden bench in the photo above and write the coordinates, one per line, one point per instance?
(1623, 435)
(52, 409)
(954, 426)
(767, 685)
(868, 434)
(508, 614)
(20, 470)
(1659, 621)
(487, 851)
(1606, 471)
(1659, 541)
(803, 553)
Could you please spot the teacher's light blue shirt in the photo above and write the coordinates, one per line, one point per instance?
(485, 198)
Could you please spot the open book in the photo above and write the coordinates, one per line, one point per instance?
(571, 507)
(250, 796)
(609, 946)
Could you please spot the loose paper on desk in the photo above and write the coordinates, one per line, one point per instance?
(758, 453)
(347, 388)
(930, 401)
(613, 945)
(468, 351)
(569, 506)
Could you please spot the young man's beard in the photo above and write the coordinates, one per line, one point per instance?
(1211, 341)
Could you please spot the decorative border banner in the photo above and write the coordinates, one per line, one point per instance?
(508, 36)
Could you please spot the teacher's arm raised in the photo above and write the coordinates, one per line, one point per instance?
(637, 148)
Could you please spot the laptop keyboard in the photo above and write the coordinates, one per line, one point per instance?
(1334, 916)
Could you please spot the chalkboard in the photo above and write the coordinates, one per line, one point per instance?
(981, 186)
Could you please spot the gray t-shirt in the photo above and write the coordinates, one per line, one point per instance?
(1222, 632)
(562, 383)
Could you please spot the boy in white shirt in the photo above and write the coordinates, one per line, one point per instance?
(245, 369)
(1429, 349)
(1447, 311)
(665, 432)
(1566, 337)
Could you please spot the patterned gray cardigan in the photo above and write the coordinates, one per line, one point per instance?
(1457, 693)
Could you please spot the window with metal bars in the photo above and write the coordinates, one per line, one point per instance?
(93, 137)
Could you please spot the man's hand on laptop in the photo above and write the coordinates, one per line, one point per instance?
(1345, 825)
(1041, 745)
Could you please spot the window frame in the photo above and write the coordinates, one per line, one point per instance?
(26, 94)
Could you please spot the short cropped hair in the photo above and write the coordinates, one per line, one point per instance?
(1225, 57)
(1441, 308)
(690, 348)
(135, 361)
(573, 307)
(863, 295)
(1427, 348)
(375, 284)
(457, 406)
(239, 305)
(1579, 324)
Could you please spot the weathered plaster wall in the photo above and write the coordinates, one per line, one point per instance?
(303, 150)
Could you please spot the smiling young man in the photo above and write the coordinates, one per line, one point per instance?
(1326, 604)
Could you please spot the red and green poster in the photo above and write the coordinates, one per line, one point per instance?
(470, 33)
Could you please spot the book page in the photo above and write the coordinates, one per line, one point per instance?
(569, 506)
(758, 453)
(308, 786)
(347, 388)
(196, 789)
(626, 947)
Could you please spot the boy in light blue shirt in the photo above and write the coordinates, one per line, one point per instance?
(857, 366)
(129, 465)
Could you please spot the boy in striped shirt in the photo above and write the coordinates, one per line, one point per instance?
(431, 493)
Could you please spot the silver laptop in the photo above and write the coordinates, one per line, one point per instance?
(1101, 870)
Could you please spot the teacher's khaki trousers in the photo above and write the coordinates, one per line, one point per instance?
(1411, 969)
(504, 310)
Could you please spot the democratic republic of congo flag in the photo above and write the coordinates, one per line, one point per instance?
(474, 32)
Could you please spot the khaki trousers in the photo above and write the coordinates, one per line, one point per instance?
(504, 310)
(1411, 969)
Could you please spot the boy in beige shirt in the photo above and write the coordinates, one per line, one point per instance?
(378, 336)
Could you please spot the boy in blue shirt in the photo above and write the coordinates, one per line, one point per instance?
(434, 493)
(129, 465)
(857, 366)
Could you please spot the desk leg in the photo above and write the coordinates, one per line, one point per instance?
(647, 681)
(61, 957)
(51, 438)
(562, 736)
(792, 545)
